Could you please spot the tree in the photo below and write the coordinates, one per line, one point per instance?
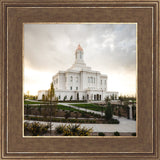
(108, 112)
(112, 97)
(51, 92)
(121, 99)
(119, 112)
(28, 93)
(65, 97)
(71, 98)
(107, 99)
(51, 95)
(43, 97)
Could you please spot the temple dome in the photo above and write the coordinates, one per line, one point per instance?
(79, 48)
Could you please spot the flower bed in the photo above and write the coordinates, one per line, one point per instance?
(72, 130)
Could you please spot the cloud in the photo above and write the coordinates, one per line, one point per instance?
(109, 48)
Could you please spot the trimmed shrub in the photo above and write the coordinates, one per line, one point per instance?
(108, 112)
(116, 133)
(113, 121)
(101, 134)
(59, 129)
(67, 115)
(133, 134)
(36, 128)
(73, 130)
(119, 112)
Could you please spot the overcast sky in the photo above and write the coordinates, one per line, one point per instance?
(108, 48)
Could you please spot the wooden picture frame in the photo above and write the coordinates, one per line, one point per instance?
(145, 145)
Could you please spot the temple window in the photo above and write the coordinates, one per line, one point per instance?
(71, 78)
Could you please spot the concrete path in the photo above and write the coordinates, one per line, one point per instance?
(124, 126)
(79, 108)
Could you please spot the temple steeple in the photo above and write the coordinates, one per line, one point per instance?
(79, 61)
(79, 55)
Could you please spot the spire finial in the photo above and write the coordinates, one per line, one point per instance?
(79, 47)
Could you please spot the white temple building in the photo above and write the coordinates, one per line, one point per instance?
(79, 82)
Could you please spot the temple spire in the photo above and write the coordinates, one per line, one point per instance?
(79, 48)
(79, 54)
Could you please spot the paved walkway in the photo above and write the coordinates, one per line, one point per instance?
(126, 125)
(79, 108)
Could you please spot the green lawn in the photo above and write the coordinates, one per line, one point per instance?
(62, 107)
(66, 108)
(29, 102)
(94, 107)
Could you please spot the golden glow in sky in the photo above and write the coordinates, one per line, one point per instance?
(108, 48)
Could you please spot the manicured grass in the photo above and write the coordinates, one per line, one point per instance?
(29, 102)
(65, 108)
(59, 106)
(77, 110)
(90, 106)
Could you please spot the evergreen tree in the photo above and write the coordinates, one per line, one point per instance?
(108, 112)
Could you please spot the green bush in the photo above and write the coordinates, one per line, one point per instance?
(108, 112)
(59, 129)
(134, 134)
(119, 113)
(72, 130)
(26, 126)
(36, 128)
(67, 115)
(59, 120)
(101, 134)
(116, 133)
(113, 121)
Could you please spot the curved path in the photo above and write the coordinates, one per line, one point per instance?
(126, 125)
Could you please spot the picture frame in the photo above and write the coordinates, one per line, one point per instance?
(16, 12)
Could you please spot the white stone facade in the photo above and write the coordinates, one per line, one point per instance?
(80, 82)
